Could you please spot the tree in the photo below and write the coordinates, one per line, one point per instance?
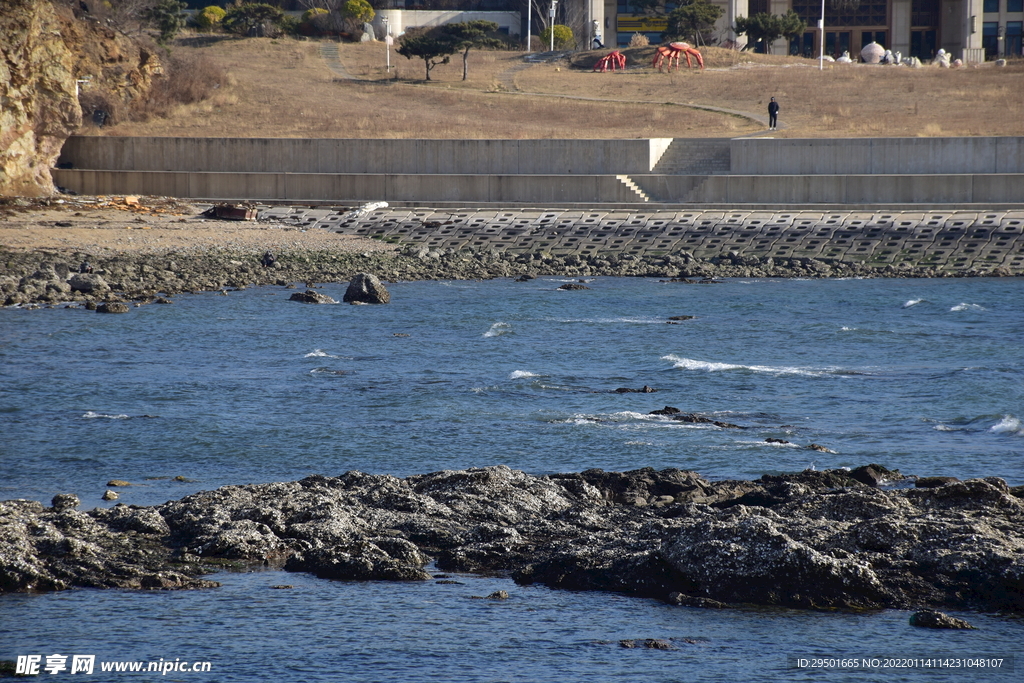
(251, 18)
(792, 25)
(431, 45)
(356, 13)
(470, 34)
(691, 20)
(761, 27)
(168, 17)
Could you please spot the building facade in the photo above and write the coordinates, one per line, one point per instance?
(973, 30)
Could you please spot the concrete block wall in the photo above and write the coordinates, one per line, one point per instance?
(768, 156)
(298, 155)
(353, 187)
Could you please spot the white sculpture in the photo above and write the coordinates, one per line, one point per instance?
(872, 53)
(845, 58)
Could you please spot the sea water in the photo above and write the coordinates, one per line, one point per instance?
(926, 376)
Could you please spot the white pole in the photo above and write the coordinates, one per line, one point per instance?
(551, 24)
(529, 22)
(387, 41)
(821, 48)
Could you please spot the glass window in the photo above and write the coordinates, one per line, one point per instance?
(990, 39)
(1014, 29)
(991, 5)
(1015, 5)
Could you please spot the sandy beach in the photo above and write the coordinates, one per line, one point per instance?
(107, 225)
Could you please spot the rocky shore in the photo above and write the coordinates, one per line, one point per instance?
(142, 250)
(47, 277)
(862, 539)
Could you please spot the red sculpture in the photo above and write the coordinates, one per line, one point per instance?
(672, 52)
(611, 61)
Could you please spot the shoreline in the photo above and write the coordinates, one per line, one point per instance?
(141, 249)
(869, 538)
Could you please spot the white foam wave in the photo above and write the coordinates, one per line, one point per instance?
(847, 329)
(519, 374)
(707, 366)
(498, 329)
(912, 302)
(945, 428)
(90, 415)
(607, 321)
(319, 353)
(1008, 425)
(967, 307)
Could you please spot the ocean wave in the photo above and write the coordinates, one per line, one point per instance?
(607, 321)
(844, 328)
(520, 374)
(709, 366)
(319, 353)
(967, 307)
(90, 415)
(1008, 425)
(912, 302)
(498, 329)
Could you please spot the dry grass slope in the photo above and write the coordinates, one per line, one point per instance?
(284, 88)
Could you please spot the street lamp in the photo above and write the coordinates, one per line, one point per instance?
(551, 24)
(387, 41)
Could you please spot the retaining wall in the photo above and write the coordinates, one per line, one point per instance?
(888, 156)
(297, 155)
(354, 187)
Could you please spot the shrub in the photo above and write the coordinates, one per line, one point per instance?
(210, 17)
(564, 39)
(253, 19)
(639, 40)
(186, 79)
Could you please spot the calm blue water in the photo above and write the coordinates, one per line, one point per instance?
(922, 375)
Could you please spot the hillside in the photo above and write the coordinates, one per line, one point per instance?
(288, 88)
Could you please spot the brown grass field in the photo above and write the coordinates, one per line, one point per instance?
(285, 88)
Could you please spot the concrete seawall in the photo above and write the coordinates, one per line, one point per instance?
(882, 171)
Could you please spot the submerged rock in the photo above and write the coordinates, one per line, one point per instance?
(312, 297)
(932, 619)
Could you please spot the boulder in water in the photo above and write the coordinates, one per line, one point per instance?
(366, 288)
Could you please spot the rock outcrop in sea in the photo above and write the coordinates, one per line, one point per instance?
(815, 540)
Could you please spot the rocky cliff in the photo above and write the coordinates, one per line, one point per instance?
(45, 47)
(38, 107)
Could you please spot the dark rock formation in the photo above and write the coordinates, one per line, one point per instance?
(573, 286)
(112, 307)
(312, 297)
(88, 283)
(61, 548)
(931, 619)
(366, 289)
(818, 540)
(642, 390)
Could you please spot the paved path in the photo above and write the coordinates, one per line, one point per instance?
(947, 240)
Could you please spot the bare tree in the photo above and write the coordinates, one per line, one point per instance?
(127, 15)
(571, 13)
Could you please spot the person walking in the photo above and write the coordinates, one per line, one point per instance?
(773, 114)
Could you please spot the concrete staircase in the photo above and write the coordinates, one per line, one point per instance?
(688, 156)
(628, 182)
